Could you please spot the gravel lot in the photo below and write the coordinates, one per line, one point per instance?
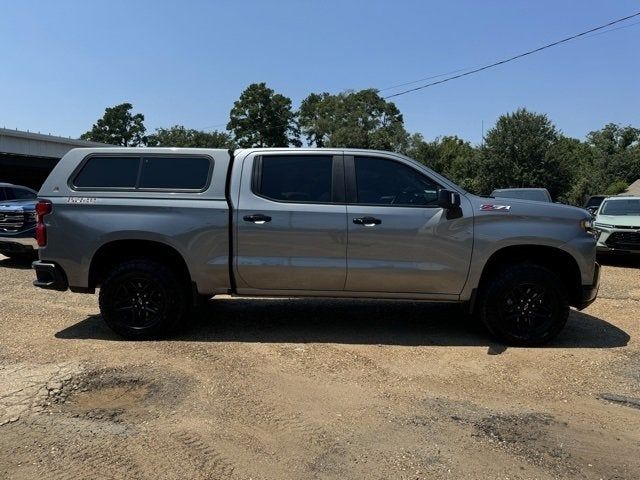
(299, 389)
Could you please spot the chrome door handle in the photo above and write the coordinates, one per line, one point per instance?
(257, 218)
(367, 221)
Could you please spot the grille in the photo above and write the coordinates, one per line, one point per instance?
(11, 221)
(630, 240)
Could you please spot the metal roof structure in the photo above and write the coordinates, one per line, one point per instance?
(634, 188)
(17, 142)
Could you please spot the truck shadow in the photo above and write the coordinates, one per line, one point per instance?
(17, 263)
(628, 261)
(352, 322)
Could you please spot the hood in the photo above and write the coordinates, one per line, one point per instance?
(619, 220)
(529, 207)
(24, 205)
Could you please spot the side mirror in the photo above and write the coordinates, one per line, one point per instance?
(592, 210)
(448, 199)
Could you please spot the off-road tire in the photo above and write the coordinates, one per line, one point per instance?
(143, 299)
(524, 304)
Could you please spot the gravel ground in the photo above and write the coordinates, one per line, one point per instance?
(299, 389)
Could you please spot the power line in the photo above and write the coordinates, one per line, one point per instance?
(585, 34)
(515, 57)
(412, 82)
(423, 79)
(613, 29)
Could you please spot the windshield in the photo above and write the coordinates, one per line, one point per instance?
(594, 202)
(621, 207)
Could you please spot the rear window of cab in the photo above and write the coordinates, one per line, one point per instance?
(148, 172)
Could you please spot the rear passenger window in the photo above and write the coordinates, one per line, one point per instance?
(177, 173)
(109, 172)
(295, 178)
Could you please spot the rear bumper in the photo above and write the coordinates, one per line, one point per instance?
(50, 276)
(590, 292)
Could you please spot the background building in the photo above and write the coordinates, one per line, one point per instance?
(27, 158)
(634, 188)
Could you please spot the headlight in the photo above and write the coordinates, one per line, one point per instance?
(602, 225)
(586, 225)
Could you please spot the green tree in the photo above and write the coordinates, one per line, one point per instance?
(179, 136)
(616, 154)
(118, 126)
(450, 156)
(575, 159)
(263, 118)
(317, 117)
(612, 138)
(361, 119)
(518, 153)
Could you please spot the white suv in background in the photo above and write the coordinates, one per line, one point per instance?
(618, 224)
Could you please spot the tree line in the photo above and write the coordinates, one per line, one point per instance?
(523, 148)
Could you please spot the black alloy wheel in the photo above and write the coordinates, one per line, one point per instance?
(144, 299)
(524, 304)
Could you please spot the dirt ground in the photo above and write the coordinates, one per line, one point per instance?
(303, 389)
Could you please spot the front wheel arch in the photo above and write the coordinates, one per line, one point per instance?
(552, 258)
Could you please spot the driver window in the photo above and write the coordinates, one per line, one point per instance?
(385, 182)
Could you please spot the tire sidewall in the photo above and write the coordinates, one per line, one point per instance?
(173, 296)
(504, 282)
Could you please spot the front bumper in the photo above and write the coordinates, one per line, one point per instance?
(617, 240)
(24, 241)
(590, 292)
(50, 276)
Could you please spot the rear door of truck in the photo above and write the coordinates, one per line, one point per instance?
(290, 222)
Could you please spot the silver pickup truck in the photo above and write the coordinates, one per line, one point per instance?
(156, 229)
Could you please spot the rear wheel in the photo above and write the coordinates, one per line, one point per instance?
(524, 304)
(143, 299)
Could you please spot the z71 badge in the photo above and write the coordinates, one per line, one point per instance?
(490, 207)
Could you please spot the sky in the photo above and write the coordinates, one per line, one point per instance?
(186, 62)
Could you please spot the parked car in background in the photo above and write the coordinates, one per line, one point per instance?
(618, 225)
(594, 203)
(17, 221)
(536, 194)
(155, 229)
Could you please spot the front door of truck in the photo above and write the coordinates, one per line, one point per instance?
(400, 241)
(291, 222)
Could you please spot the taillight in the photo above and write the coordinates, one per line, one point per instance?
(43, 207)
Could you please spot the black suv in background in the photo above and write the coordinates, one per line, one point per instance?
(17, 221)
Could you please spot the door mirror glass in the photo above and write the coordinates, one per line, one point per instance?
(448, 199)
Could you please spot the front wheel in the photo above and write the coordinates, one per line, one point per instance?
(143, 299)
(524, 304)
